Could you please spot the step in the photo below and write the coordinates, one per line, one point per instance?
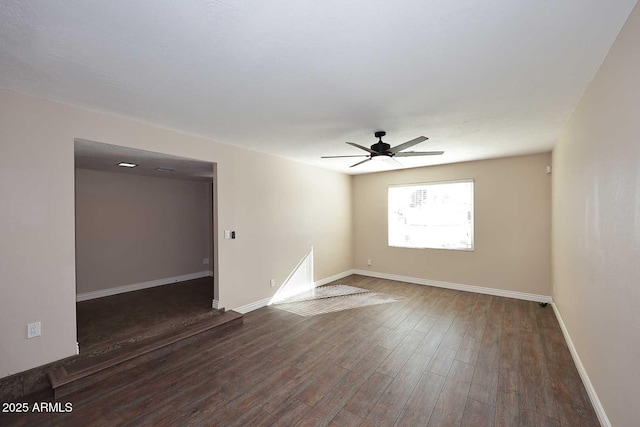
(129, 337)
(84, 373)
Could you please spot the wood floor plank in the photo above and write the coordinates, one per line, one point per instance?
(349, 359)
(441, 361)
(419, 407)
(286, 414)
(430, 343)
(314, 392)
(396, 395)
(396, 319)
(455, 333)
(489, 353)
(479, 317)
(528, 320)
(334, 400)
(280, 393)
(555, 350)
(534, 419)
(425, 324)
(393, 339)
(484, 386)
(193, 387)
(244, 405)
(306, 358)
(434, 337)
(506, 416)
(368, 395)
(536, 393)
(478, 414)
(399, 356)
(450, 405)
(345, 418)
(468, 350)
(411, 320)
(445, 301)
(569, 391)
(572, 415)
(507, 398)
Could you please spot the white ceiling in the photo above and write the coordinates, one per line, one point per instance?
(298, 78)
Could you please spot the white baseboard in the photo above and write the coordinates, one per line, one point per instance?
(418, 281)
(215, 304)
(138, 286)
(264, 302)
(593, 396)
(456, 286)
(333, 278)
(252, 306)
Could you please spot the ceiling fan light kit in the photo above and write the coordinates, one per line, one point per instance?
(387, 152)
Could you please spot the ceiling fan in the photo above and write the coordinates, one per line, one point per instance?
(387, 152)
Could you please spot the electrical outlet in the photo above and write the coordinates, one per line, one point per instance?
(272, 282)
(227, 234)
(34, 330)
(205, 261)
(369, 262)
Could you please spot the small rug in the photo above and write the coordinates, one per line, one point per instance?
(329, 304)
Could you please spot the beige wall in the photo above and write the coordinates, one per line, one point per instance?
(132, 229)
(278, 208)
(512, 226)
(596, 228)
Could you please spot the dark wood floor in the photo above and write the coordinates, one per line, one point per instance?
(106, 321)
(436, 358)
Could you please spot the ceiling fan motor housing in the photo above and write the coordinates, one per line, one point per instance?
(380, 147)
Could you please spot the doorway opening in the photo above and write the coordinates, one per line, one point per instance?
(146, 245)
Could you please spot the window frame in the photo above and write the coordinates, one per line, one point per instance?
(473, 213)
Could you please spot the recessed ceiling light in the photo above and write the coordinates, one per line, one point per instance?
(127, 165)
(161, 169)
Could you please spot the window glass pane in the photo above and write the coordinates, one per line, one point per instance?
(437, 215)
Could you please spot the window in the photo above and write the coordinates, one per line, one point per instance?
(435, 215)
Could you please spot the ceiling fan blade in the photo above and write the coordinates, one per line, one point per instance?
(359, 163)
(362, 148)
(336, 157)
(419, 153)
(407, 144)
(391, 161)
